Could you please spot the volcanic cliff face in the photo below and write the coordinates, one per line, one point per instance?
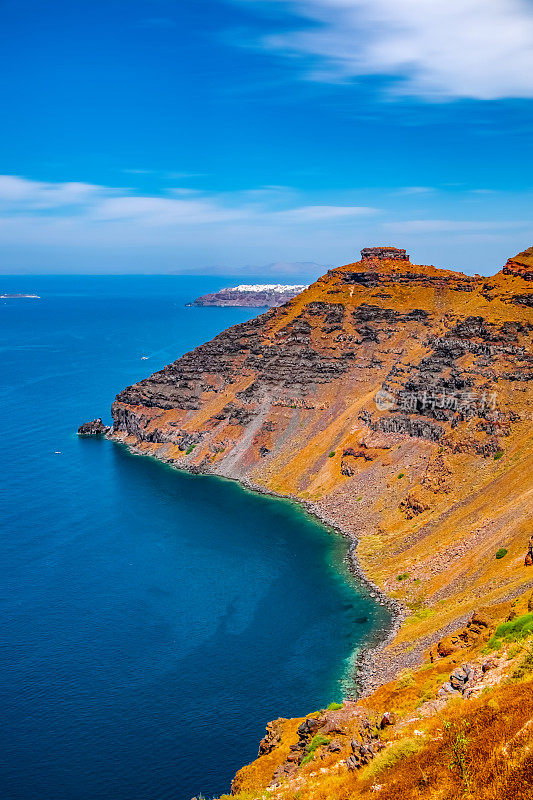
(396, 398)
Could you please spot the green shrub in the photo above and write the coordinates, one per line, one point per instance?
(406, 679)
(501, 552)
(498, 455)
(331, 454)
(512, 631)
(334, 706)
(190, 449)
(516, 629)
(457, 741)
(513, 651)
(419, 614)
(389, 757)
(402, 577)
(426, 696)
(525, 667)
(401, 475)
(240, 796)
(317, 741)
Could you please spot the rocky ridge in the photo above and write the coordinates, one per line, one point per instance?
(371, 395)
(394, 400)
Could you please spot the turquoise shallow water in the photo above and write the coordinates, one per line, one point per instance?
(153, 621)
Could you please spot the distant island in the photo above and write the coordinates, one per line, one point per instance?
(251, 295)
(19, 296)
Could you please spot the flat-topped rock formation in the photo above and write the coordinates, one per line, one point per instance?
(384, 254)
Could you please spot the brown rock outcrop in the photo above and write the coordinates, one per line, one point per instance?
(478, 626)
(529, 555)
(272, 737)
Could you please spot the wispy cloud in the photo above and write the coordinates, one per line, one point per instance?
(164, 174)
(454, 226)
(76, 226)
(414, 190)
(19, 194)
(87, 205)
(138, 171)
(324, 213)
(433, 49)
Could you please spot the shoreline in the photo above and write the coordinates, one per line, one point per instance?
(364, 681)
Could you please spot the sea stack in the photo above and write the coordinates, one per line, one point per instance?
(93, 428)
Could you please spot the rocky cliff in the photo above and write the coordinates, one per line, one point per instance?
(396, 400)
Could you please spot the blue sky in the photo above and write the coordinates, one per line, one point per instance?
(219, 135)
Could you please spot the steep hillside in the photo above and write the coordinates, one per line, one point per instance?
(460, 727)
(395, 400)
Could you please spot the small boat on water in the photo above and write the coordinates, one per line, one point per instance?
(19, 296)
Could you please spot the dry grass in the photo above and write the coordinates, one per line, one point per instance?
(483, 751)
(476, 749)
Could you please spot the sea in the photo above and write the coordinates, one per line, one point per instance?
(153, 621)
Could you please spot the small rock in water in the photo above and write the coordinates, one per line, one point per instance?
(94, 428)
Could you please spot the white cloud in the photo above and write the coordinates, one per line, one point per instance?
(163, 211)
(16, 192)
(324, 213)
(76, 227)
(103, 211)
(454, 226)
(412, 190)
(434, 49)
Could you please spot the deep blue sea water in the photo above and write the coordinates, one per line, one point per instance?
(152, 621)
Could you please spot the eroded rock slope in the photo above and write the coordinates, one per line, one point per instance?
(396, 398)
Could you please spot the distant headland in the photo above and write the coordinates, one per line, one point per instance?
(251, 295)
